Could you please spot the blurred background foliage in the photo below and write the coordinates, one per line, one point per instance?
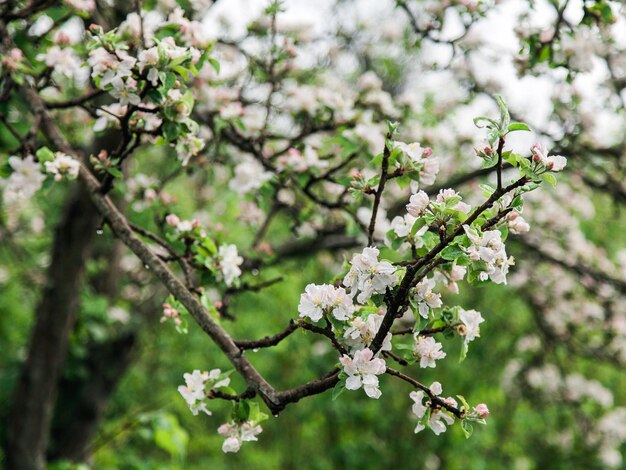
(148, 424)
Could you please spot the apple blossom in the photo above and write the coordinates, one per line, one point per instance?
(369, 276)
(318, 300)
(428, 350)
(237, 433)
(482, 410)
(361, 332)
(425, 297)
(63, 166)
(362, 370)
(24, 181)
(249, 176)
(471, 319)
(229, 262)
(418, 204)
(489, 248)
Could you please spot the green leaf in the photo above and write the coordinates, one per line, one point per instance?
(418, 224)
(467, 428)
(241, 411)
(451, 253)
(255, 413)
(215, 64)
(44, 154)
(168, 80)
(463, 351)
(491, 123)
(115, 172)
(550, 178)
(463, 402)
(518, 126)
(180, 70)
(339, 389)
(155, 96)
(505, 118)
(170, 130)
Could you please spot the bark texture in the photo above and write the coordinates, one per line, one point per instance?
(36, 390)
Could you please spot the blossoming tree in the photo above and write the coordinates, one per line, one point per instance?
(308, 145)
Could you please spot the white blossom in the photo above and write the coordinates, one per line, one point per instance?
(193, 391)
(237, 433)
(447, 194)
(488, 247)
(554, 163)
(429, 351)
(25, 180)
(249, 176)
(125, 91)
(471, 319)
(62, 59)
(229, 262)
(318, 299)
(417, 204)
(438, 417)
(402, 225)
(438, 420)
(361, 333)
(63, 165)
(368, 275)
(516, 223)
(426, 298)
(362, 371)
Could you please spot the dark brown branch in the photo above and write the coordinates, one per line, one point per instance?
(433, 398)
(379, 192)
(428, 261)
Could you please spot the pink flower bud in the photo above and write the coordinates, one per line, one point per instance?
(195, 223)
(427, 152)
(482, 410)
(62, 38)
(487, 150)
(172, 220)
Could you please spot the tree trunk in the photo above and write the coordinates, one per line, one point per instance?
(36, 390)
(83, 400)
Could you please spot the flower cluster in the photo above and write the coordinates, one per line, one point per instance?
(362, 370)
(24, 181)
(488, 248)
(428, 350)
(170, 313)
(430, 413)
(553, 163)
(325, 299)
(422, 159)
(425, 297)
(368, 275)
(236, 433)
(229, 262)
(361, 332)
(197, 384)
(63, 166)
